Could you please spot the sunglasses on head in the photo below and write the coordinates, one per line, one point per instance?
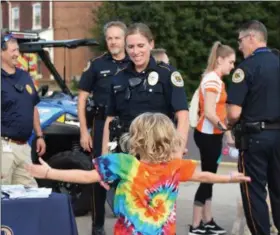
(6, 38)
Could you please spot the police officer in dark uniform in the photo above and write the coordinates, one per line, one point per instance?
(254, 111)
(18, 116)
(96, 79)
(145, 86)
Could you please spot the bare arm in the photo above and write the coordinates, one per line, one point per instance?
(182, 117)
(106, 135)
(36, 123)
(83, 95)
(208, 177)
(74, 176)
(210, 108)
(86, 139)
(44, 171)
(233, 113)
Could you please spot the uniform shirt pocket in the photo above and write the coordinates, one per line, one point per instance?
(119, 93)
(157, 94)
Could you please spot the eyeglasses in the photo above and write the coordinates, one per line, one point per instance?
(241, 39)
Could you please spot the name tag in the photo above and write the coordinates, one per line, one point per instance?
(105, 71)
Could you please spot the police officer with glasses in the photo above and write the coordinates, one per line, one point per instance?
(254, 112)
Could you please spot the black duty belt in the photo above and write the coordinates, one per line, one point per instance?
(270, 126)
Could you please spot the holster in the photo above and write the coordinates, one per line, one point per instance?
(241, 139)
(94, 112)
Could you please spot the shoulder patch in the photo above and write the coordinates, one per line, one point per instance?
(177, 79)
(87, 67)
(238, 76)
(29, 89)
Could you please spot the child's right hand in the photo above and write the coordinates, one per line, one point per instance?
(38, 171)
(236, 177)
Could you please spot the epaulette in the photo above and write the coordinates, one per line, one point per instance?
(100, 56)
(164, 65)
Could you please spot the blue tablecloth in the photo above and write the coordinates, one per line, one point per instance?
(39, 216)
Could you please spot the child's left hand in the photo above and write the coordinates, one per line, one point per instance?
(38, 171)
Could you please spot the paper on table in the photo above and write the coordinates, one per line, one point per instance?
(20, 191)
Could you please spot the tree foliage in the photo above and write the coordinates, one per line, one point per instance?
(187, 30)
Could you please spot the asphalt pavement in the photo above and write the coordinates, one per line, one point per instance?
(224, 207)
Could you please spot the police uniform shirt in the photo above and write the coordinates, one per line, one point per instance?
(18, 99)
(98, 74)
(160, 89)
(256, 87)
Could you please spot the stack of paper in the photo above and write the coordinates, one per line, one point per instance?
(20, 191)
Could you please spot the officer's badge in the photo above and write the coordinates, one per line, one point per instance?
(177, 79)
(29, 89)
(238, 76)
(87, 67)
(153, 78)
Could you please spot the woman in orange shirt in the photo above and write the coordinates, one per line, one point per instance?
(208, 134)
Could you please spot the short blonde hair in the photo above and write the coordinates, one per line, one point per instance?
(154, 138)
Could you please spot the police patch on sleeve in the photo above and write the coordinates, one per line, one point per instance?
(177, 79)
(87, 67)
(29, 89)
(153, 78)
(238, 76)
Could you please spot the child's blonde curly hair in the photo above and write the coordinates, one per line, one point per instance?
(154, 138)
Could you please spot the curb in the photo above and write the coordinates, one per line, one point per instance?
(221, 163)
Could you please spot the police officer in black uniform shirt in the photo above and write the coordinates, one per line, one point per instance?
(145, 86)
(96, 79)
(254, 109)
(18, 116)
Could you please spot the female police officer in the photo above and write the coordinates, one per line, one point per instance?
(145, 86)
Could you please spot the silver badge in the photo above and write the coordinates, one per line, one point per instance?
(153, 78)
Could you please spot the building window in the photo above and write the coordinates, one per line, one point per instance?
(37, 16)
(15, 18)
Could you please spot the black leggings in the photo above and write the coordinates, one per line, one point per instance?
(210, 148)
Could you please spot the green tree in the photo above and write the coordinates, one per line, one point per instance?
(187, 30)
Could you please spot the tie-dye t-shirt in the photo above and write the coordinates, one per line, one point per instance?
(145, 200)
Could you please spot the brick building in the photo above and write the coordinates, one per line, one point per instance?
(54, 21)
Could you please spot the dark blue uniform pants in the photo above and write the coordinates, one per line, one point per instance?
(262, 163)
(99, 193)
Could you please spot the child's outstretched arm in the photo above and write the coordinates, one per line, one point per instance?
(208, 177)
(44, 171)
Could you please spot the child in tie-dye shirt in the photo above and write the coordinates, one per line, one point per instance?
(145, 200)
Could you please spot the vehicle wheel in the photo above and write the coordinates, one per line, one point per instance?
(80, 193)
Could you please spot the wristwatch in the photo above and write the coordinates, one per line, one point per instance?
(39, 137)
(220, 127)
